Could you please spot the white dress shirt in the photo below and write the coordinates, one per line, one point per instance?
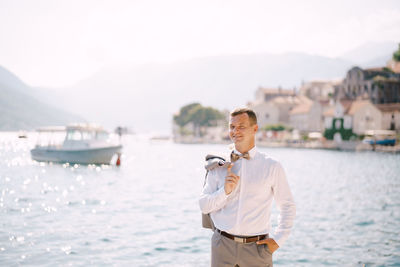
(246, 210)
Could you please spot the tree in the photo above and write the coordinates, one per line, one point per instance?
(198, 115)
(184, 115)
(396, 55)
(275, 127)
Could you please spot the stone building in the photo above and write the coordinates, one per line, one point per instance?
(380, 85)
(307, 116)
(320, 90)
(266, 94)
(273, 106)
(348, 117)
(390, 116)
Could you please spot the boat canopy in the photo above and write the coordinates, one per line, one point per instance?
(380, 132)
(51, 129)
(315, 135)
(83, 127)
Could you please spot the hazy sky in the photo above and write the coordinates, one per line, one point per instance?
(55, 43)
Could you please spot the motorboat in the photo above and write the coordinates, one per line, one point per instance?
(75, 143)
(22, 134)
(380, 137)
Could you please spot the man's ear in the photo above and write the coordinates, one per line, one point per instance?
(255, 128)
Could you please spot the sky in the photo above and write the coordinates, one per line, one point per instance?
(56, 43)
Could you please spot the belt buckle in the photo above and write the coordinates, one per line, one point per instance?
(239, 239)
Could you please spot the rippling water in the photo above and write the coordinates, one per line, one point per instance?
(145, 213)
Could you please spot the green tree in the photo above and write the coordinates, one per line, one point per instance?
(275, 127)
(396, 55)
(184, 115)
(198, 115)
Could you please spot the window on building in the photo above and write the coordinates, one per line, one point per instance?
(338, 124)
(347, 122)
(328, 122)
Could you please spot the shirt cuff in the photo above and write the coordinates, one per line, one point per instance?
(278, 238)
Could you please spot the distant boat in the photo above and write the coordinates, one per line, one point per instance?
(380, 137)
(161, 138)
(78, 143)
(22, 134)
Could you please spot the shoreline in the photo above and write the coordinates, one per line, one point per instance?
(356, 146)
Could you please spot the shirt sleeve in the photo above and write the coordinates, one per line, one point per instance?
(212, 198)
(285, 204)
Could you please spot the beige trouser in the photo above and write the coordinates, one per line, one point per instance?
(227, 252)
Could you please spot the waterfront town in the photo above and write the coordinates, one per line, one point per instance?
(361, 111)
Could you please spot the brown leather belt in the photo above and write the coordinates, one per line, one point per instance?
(243, 239)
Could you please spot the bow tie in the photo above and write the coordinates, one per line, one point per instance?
(235, 157)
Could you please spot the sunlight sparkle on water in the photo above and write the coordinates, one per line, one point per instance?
(108, 214)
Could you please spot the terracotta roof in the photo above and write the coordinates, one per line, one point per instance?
(285, 100)
(356, 105)
(330, 112)
(277, 91)
(316, 83)
(294, 100)
(346, 104)
(324, 103)
(389, 107)
(323, 82)
(303, 108)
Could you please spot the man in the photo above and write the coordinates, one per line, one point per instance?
(239, 198)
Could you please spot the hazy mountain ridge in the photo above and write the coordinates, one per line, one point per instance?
(21, 108)
(124, 96)
(373, 54)
(145, 97)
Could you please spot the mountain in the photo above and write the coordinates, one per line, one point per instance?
(372, 54)
(145, 97)
(21, 110)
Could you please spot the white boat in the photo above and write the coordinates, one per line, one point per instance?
(78, 143)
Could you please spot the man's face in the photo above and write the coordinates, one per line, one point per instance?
(240, 129)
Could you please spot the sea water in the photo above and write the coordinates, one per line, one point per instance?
(146, 213)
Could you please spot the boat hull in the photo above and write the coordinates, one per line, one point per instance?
(382, 142)
(101, 155)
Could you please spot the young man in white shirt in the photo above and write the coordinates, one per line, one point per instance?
(239, 198)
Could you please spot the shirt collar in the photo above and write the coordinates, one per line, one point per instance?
(252, 152)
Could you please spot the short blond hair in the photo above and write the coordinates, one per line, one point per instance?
(252, 115)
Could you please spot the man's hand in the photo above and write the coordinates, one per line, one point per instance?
(272, 245)
(231, 180)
